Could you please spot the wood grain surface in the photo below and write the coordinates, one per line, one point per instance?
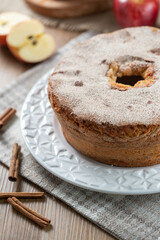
(66, 223)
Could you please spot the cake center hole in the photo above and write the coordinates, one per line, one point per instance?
(129, 80)
(130, 74)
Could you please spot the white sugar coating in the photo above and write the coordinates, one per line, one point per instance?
(96, 100)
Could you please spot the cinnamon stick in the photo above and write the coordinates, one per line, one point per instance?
(14, 163)
(6, 116)
(21, 194)
(28, 212)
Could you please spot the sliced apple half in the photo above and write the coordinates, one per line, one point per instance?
(7, 21)
(28, 42)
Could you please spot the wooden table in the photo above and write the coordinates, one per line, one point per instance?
(66, 223)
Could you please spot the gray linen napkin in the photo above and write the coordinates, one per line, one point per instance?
(125, 217)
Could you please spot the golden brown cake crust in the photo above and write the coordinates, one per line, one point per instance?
(113, 131)
(130, 143)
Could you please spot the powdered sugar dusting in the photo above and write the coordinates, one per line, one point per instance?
(88, 64)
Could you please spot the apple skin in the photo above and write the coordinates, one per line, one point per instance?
(133, 13)
(15, 53)
(3, 41)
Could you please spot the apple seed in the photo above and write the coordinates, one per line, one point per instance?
(30, 37)
(34, 42)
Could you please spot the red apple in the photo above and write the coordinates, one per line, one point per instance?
(132, 13)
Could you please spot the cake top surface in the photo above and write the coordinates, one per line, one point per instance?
(81, 81)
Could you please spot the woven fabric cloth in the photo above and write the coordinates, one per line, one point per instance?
(125, 217)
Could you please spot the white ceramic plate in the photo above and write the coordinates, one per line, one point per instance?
(44, 138)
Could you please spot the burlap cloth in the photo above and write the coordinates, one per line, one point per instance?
(125, 217)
